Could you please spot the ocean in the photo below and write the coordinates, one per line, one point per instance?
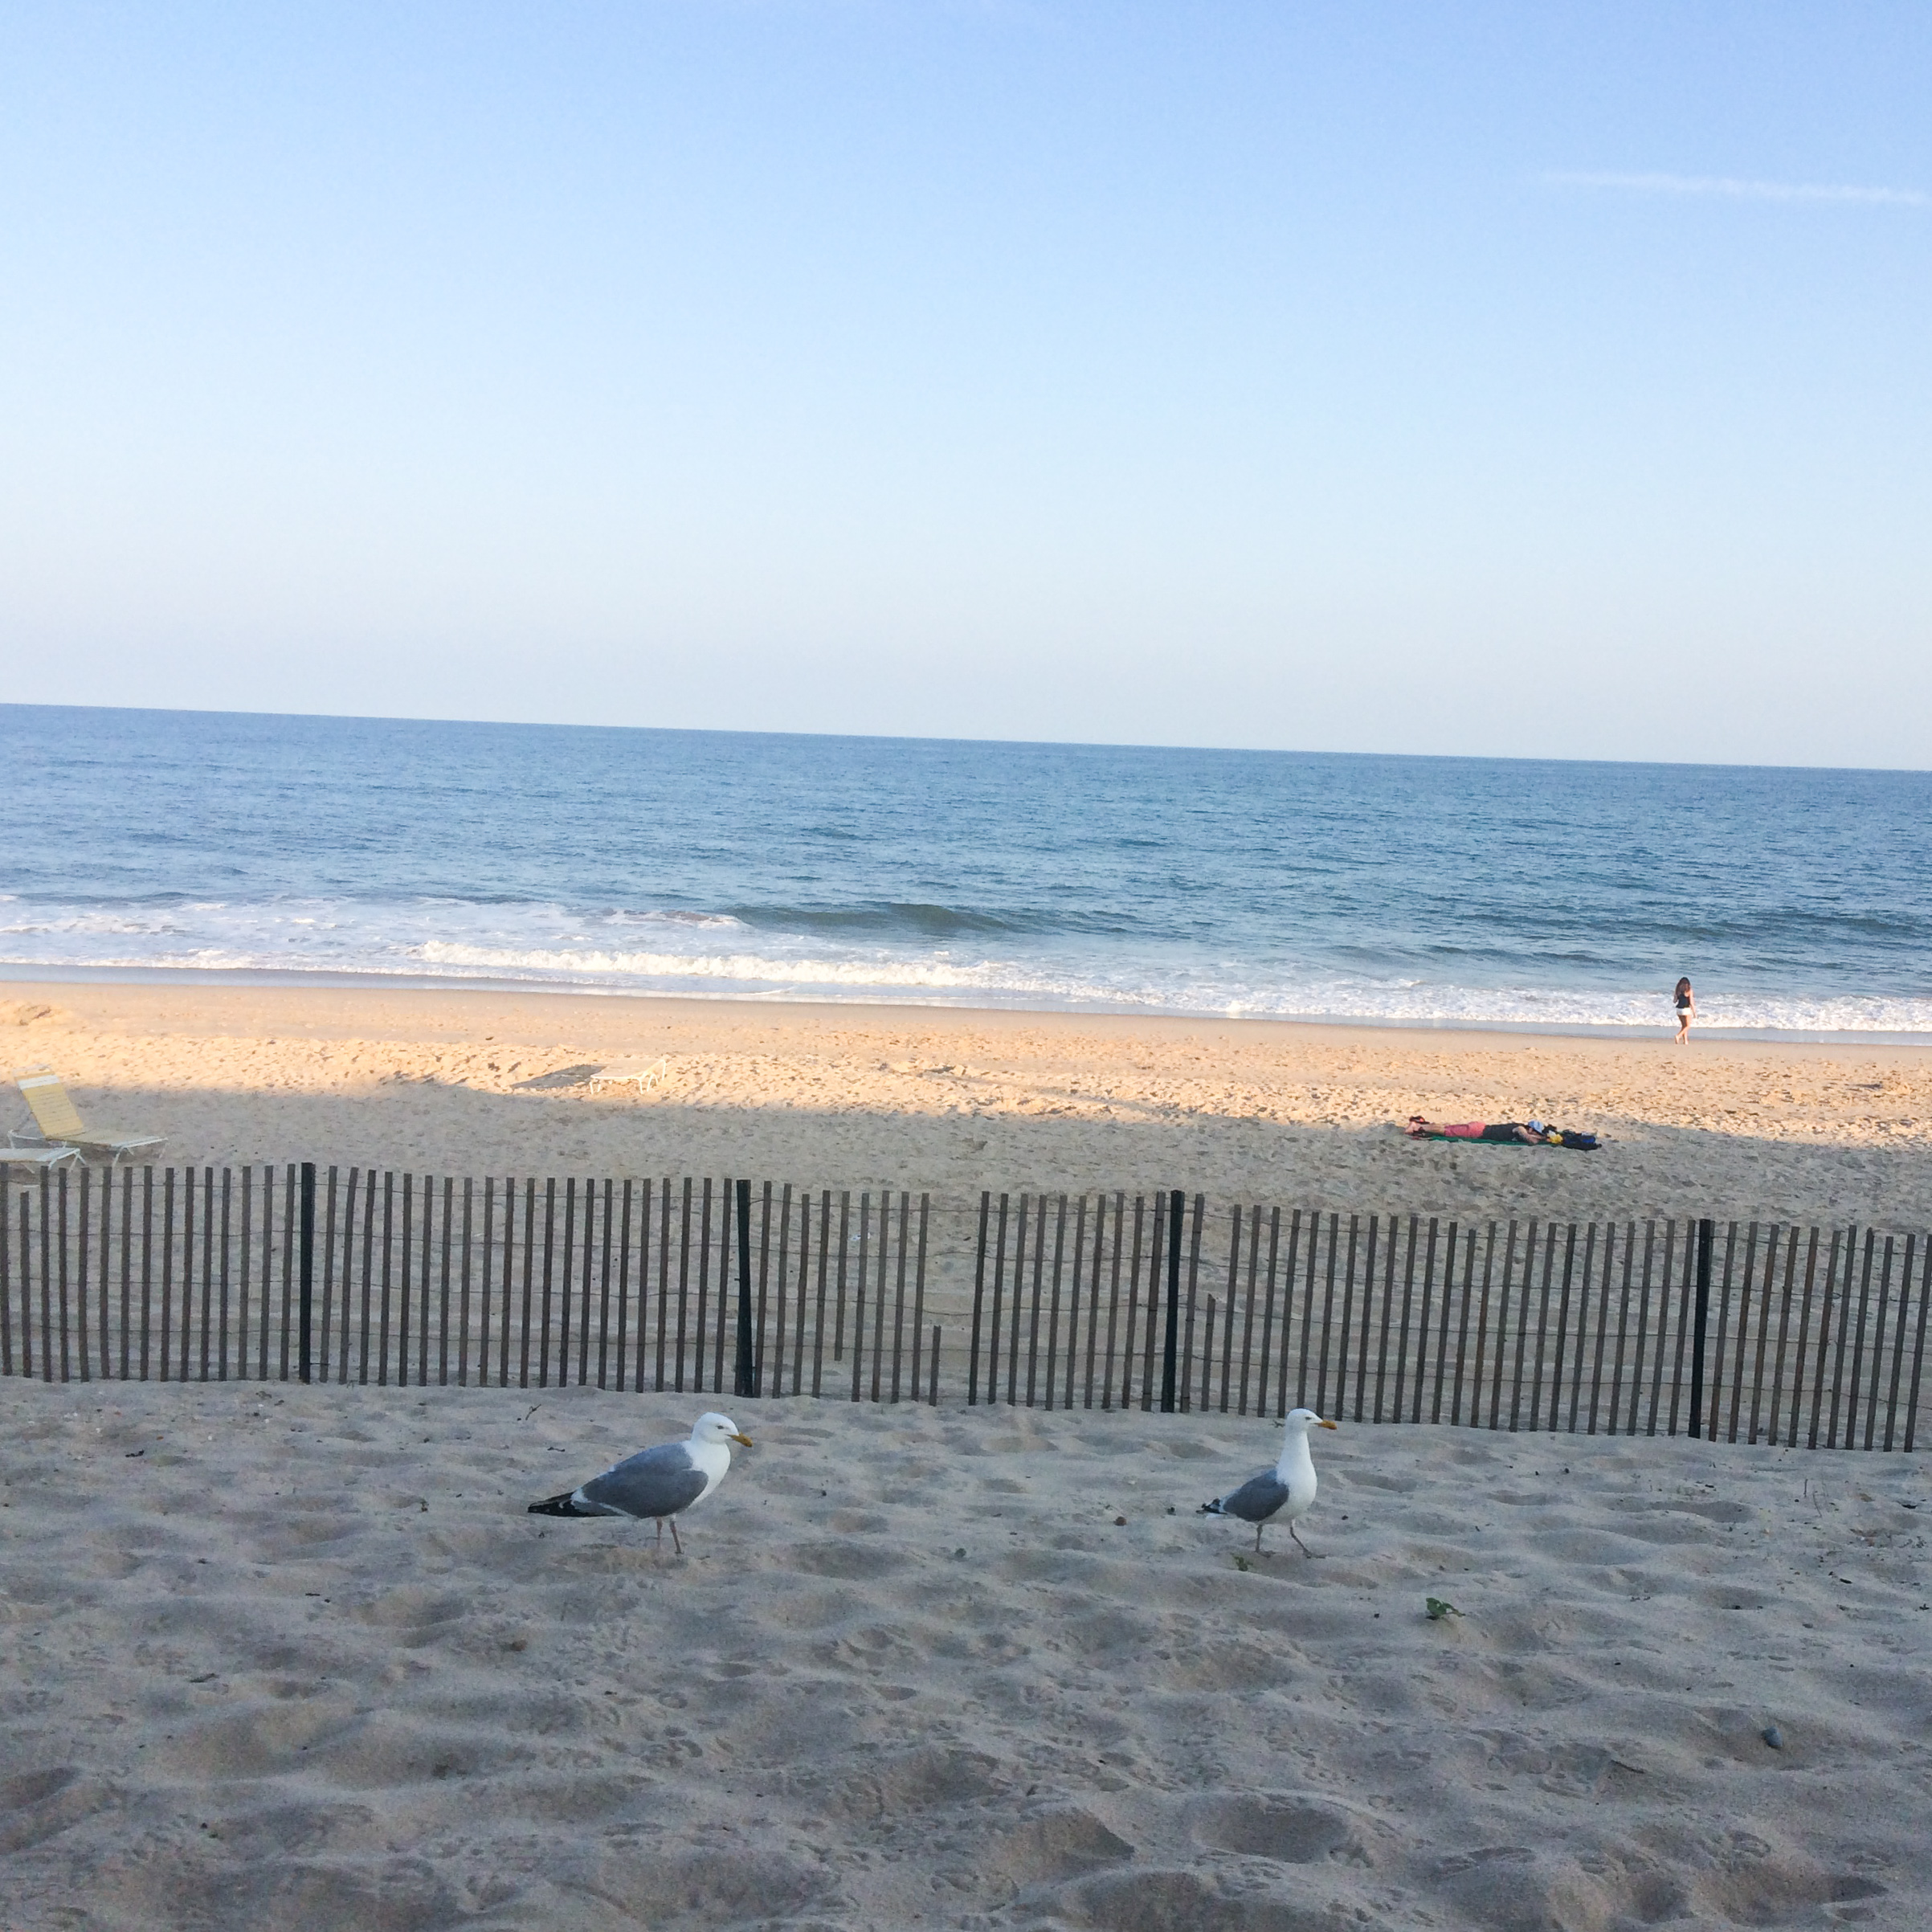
(1410, 891)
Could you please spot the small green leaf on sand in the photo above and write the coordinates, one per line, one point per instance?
(1438, 1609)
(1242, 1563)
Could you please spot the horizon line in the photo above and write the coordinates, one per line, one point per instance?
(907, 737)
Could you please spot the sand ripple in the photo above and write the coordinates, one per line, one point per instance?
(252, 1682)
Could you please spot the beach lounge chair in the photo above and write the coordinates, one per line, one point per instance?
(60, 1124)
(640, 1078)
(36, 1154)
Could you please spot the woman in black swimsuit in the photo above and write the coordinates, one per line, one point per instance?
(1687, 1010)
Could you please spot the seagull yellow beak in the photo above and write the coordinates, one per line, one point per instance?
(1327, 1424)
(746, 1440)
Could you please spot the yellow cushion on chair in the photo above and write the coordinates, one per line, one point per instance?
(53, 1109)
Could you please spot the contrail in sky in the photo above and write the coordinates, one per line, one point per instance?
(1728, 188)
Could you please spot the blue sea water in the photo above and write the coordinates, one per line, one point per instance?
(1418, 891)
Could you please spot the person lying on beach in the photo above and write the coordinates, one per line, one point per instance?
(1528, 1133)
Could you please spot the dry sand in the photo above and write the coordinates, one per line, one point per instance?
(284, 1657)
(952, 1101)
(287, 1658)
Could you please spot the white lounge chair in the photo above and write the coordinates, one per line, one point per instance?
(60, 1124)
(640, 1078)
(22, 1152)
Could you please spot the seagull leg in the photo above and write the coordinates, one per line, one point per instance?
(1301, 1546)
(1258, 1528)
(675, 1544)
(659, 1545)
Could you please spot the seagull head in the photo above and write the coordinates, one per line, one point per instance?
(714, 1427)
(1300, 1421)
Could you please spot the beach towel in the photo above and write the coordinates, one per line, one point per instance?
(1509, 1134)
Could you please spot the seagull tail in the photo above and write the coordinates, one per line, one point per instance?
(1212, 1508)
(565, 1504)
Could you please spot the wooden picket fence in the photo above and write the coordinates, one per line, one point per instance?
(356, 1275)
(1747, 1331)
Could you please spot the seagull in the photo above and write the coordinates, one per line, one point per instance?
(1287, 1490)
(657, 1482)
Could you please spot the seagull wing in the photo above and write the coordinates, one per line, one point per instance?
(655, 1482)
(1255, 1501)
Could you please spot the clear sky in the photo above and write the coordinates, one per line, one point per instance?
(1531, 378)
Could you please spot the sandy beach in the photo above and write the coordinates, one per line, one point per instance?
(953, 1101)
(288, 1657)
(924, 711)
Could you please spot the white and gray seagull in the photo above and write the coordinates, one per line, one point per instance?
(1287, 1490)
(656, 1483)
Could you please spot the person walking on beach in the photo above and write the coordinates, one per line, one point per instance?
(1687, 1010)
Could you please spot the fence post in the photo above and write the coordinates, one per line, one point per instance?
(1177, 1208)
(306, 1261)
(979, 1291)
(1707, 1233)
(746, 1381)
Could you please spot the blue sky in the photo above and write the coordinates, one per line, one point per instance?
(1541, 379)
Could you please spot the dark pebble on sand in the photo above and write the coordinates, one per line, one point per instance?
(1774, 1736)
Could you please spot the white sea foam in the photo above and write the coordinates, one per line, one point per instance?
(560, 946)
(868, 971)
